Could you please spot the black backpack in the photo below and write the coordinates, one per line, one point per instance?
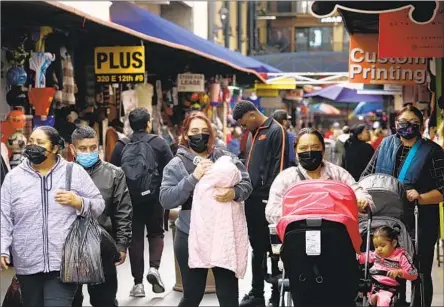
(138, 162)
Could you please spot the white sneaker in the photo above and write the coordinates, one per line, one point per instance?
(137, 291)
(153, 278)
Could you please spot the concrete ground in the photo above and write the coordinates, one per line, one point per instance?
(172, 298)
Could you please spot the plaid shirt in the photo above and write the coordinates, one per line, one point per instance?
(435, 166)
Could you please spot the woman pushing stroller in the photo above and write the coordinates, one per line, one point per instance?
(390, 262)
(419, 165)
(310, 149)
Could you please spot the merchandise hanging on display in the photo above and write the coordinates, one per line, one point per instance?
(39, 121)
(17, 119)
(41, 99)
(39, 62)
(144, 93)
(66, 96)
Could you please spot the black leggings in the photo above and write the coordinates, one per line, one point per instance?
(428, 236)
(194, 280)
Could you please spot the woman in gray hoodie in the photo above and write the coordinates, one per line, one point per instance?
(194, 158)
(36, 215)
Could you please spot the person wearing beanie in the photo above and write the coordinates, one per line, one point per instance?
(357, 151)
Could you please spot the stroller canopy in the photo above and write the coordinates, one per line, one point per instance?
(388, 195)
(328, 200)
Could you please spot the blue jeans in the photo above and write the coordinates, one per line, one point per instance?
(46, 290)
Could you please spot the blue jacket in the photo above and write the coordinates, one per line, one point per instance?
(386, 161)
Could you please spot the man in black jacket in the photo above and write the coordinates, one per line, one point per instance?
(267, 156)
(116, 219)
(146, 215)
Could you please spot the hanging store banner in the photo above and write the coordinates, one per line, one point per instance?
(119, 64)
(191, 83)
(367, 68)
(400, 37)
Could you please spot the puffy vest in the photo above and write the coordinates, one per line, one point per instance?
(386, 161)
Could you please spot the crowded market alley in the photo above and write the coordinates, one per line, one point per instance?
(226, 153)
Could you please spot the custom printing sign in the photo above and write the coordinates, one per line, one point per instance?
(399, 36)
(366, 67)
(420, 12)
(119, 64)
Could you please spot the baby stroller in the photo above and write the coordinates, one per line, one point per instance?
(320, 234)
(394, 210)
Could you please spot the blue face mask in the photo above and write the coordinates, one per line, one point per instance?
(87, 159)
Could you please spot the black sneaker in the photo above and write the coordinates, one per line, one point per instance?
(250, 300)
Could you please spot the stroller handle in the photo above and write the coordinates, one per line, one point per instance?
(369, 212)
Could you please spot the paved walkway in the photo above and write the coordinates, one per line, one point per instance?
(172, 298)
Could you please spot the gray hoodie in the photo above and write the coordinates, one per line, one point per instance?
(33, 225)
(178, 185)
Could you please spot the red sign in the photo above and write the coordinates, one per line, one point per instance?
(400, 37)
(367, 67)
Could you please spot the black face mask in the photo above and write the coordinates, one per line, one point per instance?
(310, 160)
(408, 130)
(198, 142)
(35, 154)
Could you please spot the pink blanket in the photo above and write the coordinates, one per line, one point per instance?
(218, 231)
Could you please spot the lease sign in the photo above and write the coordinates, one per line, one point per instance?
(119, 64)
(366, 67)
(399, 36)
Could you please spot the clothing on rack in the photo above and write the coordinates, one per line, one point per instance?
(67, 95)
(39, 62)
(144, 93)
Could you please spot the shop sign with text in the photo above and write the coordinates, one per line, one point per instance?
(119, 64)
(399, 36)
(191, 83)
(366, 67)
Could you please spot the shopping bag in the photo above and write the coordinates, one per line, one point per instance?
(13, 297)
(81, 257)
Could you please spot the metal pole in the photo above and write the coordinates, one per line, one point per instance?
(211, 13)
(250, 27)
(254, 12)
(239, 25)
(226, 25)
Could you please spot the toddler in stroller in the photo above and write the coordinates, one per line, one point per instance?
(392, 210)
(390, 263)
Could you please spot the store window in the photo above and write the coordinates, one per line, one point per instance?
(284, 6)
(278, 40)
(302, 7)
(314, 39)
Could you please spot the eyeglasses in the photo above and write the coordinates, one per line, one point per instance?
(413, 122)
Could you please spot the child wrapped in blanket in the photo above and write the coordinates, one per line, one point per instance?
(388, 256)
(218, 231)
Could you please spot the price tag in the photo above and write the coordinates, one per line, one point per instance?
(313, 242)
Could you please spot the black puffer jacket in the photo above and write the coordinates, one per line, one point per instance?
(118, 213)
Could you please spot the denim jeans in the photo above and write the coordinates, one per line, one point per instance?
(46, 290)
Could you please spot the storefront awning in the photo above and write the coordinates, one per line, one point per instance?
(159, 30)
